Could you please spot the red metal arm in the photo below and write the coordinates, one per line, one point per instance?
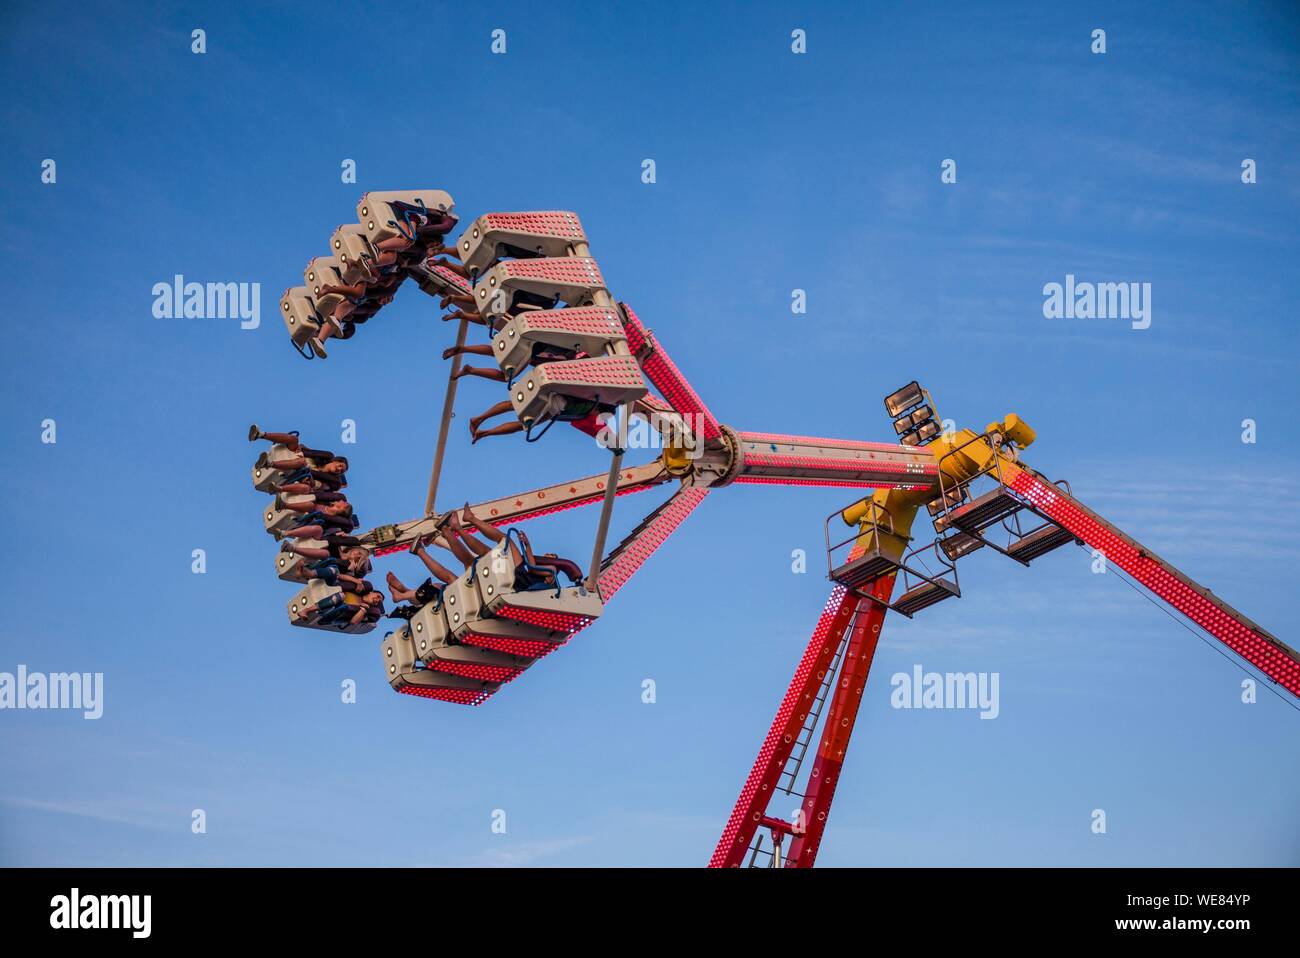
(1266, 652)
(666, 377)
(797, 718)
(633, 551)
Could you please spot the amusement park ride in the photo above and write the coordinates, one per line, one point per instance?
(569, 352)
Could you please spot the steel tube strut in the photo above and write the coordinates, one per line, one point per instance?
(448, 402)
(524, 505)
(606, 511)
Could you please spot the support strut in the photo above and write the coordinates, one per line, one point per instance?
(844, 610)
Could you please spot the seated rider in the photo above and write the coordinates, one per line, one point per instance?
(531, 571)
(316, 464)
(542, 353)
(346, 550)
(317, 524)
(346, 608)
(574, 410)
(326, 503)
(522, 301)
(428, 591)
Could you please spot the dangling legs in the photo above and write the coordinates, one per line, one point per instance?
(482, 349)
(455, 547)
(487, 530)
(440, 571)
(462, 314)
(307, 552)
(289, 439)
(397, 590)
(505, 429)
(306, 532)
(495, 375)
(453, 523)
(494, 410)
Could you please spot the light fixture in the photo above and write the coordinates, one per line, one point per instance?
(905, 398)
(913, 416)
(927, 431)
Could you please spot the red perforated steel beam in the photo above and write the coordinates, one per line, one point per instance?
(778, 459)
(667, 378)
(633, 551)
(756, 794)
(1278, 661)
(849, 686)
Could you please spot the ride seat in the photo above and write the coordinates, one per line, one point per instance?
(488, 575)
(538, 233)
(587, 329)
(354, 253)
(559, 611)
(266, 478)
(290, 566)
(607, 380)
(380, 222)
(313, 592)
(397, 652)
(298, 310)
(572, 280)
(512, 637)
(276, 519)
(321, 272)
(433, 646)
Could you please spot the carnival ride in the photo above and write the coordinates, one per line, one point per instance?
(569, 352)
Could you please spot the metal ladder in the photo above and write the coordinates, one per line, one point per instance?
(790, 771)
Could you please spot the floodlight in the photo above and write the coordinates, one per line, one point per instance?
(905, 398)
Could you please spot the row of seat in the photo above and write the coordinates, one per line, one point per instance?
(523, 266)
(278, 520)
(368, 261)
(482, 632)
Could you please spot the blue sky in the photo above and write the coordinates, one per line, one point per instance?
(775, 171)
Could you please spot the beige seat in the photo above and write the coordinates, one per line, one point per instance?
(298, 310)
(548, 233)
(266, 477)
(572, 609)
(313, 592)
(292, 567)
(435, 649)
(321, 272)
(545, 390)
(592, 330)
(512, 637)
(397, 652)
(572, 280)
(276, 519)
(377, 215)
(354, 253)
(543, 616)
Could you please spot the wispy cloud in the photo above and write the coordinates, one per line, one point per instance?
(116, 813)
(522, 854)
